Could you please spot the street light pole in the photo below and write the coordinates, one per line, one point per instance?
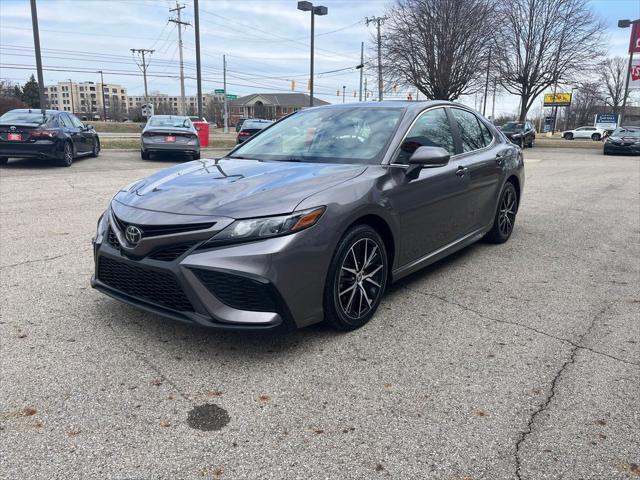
(315, 10)
(71, 93)
(344, 89)
(104, 105)
(635, 32)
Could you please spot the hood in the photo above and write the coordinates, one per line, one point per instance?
(234, 188)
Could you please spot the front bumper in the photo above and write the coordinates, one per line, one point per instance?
(45, 149)
(256, 286)
(623, 149)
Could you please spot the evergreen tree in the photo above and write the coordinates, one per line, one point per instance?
(30, 93)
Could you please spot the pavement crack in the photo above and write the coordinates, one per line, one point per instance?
(522, 325)
(45, 259)
(552, 392)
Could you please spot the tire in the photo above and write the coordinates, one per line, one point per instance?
(144, 155)
(361, 245)
(67, 154)
(4, 160)
(532, 142)
(196, 156)
(96, 148)
(596, 137)
(568, 136)
(504, 222)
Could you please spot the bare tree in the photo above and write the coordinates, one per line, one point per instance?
(439, 47)
(585, 104)
(545, 42)
(613, 74)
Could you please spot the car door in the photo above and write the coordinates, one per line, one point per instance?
(72, 131)
(85, 134)
(482, 159)
(582, 132)
(432, 205)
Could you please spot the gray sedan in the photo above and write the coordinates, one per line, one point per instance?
(169, 134)
(311, 219)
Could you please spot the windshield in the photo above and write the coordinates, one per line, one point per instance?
(179, 122)
(626, 132)
(326, 135)
(512, 127)
(24, 117)
(258, 125)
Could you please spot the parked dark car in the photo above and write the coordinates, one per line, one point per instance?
(26, 133)
(520, 133)
(312, 218)
(625, 140)
(250, 128)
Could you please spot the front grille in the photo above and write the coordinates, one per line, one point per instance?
(169, 254)
(155, 230)
(152, 285)
(238, 292)
(112, 239)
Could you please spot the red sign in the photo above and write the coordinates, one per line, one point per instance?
(634, 44)
(635, 72)
(15, 137)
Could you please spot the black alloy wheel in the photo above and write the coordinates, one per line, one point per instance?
(596, 137)
(505, 218)
(67, 154)
(357, 279)
(95, 151)
(568, 136)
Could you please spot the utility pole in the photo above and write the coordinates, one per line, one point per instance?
(378, 21)
(361, 68)
(196, 21)
(486, 84)
(36, 43)
(224, 87)
(104, 105)
(344, 89)
(178, 21)
(365, 89)
(143, 67)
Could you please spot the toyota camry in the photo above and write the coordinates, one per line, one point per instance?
(312, 218)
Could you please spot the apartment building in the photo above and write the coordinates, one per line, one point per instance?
(85, 99)
(170, 105)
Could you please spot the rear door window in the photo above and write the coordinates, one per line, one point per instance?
(470, 134)
(431, 129)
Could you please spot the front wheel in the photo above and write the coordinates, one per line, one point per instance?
(356, 279)
(532, 142)
(568, 136)
(95, 151)
(505, 217)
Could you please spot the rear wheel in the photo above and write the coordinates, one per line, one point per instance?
(356, 279)
(596, 137)
(196, 156)
(3, 160)
(144, 155)
(67, 154)
(505, 217)
(532, 142)
(568, 136)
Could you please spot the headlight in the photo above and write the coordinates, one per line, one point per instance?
(101, 227)
(259, 228)
(516, 135)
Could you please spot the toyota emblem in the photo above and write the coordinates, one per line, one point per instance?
(133, 234)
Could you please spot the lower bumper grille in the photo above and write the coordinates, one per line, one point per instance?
(238, 292)
(152, 285)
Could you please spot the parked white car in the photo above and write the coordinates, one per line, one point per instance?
(593, 133)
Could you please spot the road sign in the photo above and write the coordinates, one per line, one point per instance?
(219, 90)
(634, 42)
(231, 97)
(634, 80)
(557, 99)
(606, 121)
(147, 110)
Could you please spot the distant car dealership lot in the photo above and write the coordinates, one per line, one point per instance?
(522, 357)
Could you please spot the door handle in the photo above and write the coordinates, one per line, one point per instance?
(500, 159)
(462, 171)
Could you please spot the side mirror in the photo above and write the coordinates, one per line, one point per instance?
(89, 127)
(429, 157)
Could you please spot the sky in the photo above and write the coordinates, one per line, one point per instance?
(266, 43)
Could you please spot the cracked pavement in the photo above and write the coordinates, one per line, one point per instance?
(519, 361)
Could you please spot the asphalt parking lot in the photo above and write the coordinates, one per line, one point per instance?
(501, 362)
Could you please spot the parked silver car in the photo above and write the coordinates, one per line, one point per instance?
(169, 133)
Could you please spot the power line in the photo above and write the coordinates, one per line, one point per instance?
(142, 52)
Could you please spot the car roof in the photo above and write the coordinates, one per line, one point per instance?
(34, 110)
(408, 105)
(169, 116)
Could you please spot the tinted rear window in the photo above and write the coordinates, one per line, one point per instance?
(24, 117)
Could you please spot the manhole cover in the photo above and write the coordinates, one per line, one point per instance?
(208, 417)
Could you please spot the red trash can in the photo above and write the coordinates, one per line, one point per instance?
(203, 132)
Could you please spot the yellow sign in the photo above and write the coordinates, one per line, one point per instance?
(557, 99)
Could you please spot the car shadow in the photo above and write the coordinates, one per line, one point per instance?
(170, 157)
(39, 163)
